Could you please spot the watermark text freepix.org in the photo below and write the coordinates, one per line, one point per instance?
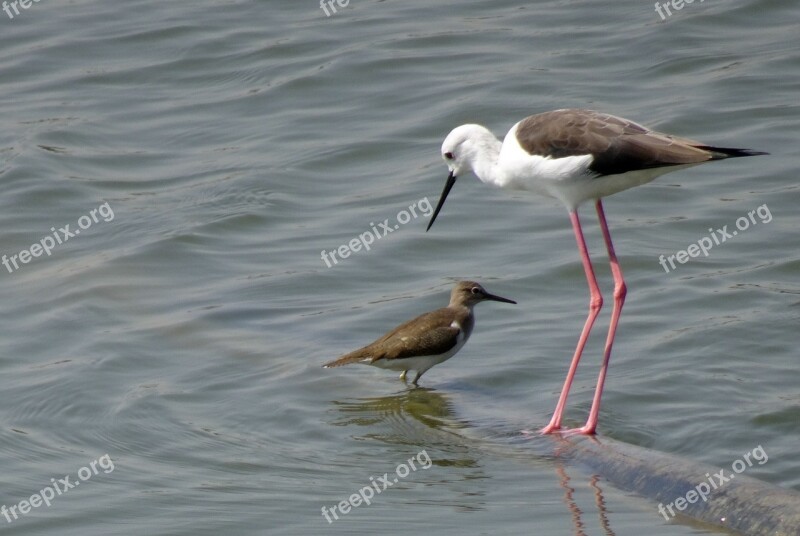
(57, 487)
(677, 5)
(24, 4)
(366, 493)
(717, 237)
(47, 243)
(325, 4)
(715, 481)
(366, 240)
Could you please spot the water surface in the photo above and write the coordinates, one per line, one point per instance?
(235, 141)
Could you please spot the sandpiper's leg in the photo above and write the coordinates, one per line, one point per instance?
(620, 290)
(595, 303)
(403, 375)
(417, 377)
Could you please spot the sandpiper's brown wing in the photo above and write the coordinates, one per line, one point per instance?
(616, 144)
(414, 338)
(419, 337)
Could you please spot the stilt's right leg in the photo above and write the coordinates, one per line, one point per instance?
(595, 303)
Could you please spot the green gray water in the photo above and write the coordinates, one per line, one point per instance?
(234, 141)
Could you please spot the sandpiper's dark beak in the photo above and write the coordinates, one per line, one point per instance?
(451, 180)
(487, 296)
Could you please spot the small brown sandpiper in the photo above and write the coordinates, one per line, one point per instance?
(427, 340)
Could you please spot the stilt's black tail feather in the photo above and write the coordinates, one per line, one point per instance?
(730, 152)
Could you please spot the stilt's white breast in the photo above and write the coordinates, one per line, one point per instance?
(544, 175)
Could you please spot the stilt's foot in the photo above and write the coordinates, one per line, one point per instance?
(550, 428)
(403, 375)
(584, 430)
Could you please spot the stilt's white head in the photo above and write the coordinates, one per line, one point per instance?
(464, 145)
(462, 150)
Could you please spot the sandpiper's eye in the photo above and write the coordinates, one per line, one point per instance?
(475, 290)
(448, 155)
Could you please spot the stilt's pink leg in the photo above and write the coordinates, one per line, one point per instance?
(595, 303)
(620, 290)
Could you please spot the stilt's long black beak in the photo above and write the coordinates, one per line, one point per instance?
(451, 180)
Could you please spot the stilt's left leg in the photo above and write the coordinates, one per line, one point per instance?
(595, 303)
(620, 290)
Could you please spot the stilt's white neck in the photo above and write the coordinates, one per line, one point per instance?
(482, 153)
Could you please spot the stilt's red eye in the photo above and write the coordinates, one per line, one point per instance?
(448, 156)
